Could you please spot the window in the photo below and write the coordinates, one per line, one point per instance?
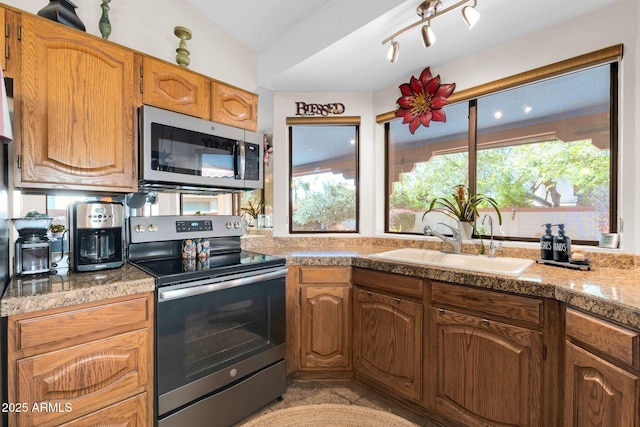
(323, 178)
(543, 150)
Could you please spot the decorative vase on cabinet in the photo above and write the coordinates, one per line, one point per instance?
(62, 11)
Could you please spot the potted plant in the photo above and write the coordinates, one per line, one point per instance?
(56, 230)
(253, 210)
(463, 209)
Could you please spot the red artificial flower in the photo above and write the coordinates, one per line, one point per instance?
(422, 100)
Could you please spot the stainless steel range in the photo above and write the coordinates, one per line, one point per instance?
(220, 319)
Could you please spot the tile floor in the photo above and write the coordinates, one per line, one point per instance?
(347, 392)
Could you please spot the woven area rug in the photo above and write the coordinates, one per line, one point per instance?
(325, 415)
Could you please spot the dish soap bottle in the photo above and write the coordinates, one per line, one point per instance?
(561, 245)
(546, 243)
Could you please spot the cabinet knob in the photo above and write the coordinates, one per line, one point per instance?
(441, 311)
(369, 293)
(398, 300)
(485, 321)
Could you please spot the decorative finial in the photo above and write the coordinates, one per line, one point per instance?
(104, 24)
(182, 58)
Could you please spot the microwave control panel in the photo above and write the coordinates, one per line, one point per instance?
(252, 162)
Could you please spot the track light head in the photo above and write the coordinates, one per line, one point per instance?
(392, 55)
(428, 36)
(470, 15)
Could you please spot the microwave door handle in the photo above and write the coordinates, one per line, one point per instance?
(241, 159)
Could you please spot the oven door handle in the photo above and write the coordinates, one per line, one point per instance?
(213, 287)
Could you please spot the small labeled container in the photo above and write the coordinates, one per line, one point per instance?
(546, 243)
(561, 245)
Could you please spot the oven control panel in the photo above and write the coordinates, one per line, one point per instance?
(171, 227)
(191, 226)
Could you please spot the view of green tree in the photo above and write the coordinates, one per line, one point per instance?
(430, 180)
(330, 207)
(513, 176)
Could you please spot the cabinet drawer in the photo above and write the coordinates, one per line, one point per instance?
(513, 307)
(328, 275)
(64, 324)
(395, 283)
(86, 377)
(128, 413)
(617, 342)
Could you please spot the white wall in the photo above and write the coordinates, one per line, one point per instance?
(356, 104)
(147, 26)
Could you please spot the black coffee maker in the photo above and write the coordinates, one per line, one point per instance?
(33, 248)
(96, 235)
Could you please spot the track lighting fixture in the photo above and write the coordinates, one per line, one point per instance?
(428, 36)
(427, 11)
(470, 15)
(392, 55)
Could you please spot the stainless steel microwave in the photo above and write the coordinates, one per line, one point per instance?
(185, 153)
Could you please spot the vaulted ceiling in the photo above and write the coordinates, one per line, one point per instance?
(336, 45)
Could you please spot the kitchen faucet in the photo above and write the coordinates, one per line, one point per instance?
(455, 242)
(492, 245)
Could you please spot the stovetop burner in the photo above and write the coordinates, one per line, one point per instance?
(156, 245)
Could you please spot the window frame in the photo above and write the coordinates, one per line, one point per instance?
(325, 121)
(611, 55)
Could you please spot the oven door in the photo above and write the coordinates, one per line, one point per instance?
(212, 334)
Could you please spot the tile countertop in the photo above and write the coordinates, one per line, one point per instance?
(611, 293)
(42, 292)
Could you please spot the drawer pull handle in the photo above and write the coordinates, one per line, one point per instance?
(441, 310)
(485, 321)
(398, 300)
(369, 293)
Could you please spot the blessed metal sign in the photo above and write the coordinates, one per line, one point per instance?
(304, 109)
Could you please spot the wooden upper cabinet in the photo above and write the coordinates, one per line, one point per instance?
(234, 107)
(177, 89)
(78, 111)
(9, 42)
(3, 39)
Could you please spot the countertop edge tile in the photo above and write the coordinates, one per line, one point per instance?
(613, 294)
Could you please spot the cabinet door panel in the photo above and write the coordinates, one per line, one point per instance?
(598, 393)
(176, 89)
(388, 342)
(78, 110)
(234, 107)
(86, 377)
(325, 318)
(487, 372)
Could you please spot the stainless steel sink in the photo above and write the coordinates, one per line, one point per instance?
(479, 263)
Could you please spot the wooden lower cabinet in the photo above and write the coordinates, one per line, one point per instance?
(493, 357)
(90, 364)
(326, 338)
(319, 321)
(598, 393)
(486, 372)
(388, 332)
(133, 412)
(602, 376)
